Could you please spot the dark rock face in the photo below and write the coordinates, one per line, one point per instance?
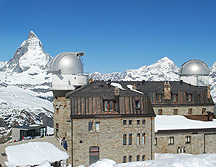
(48, 121)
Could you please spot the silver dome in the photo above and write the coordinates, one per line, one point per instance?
(194, 67)
(67, 63)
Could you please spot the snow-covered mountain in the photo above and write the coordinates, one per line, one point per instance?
(212, 81)
(24, 83)
(164, 69)
(24, 86)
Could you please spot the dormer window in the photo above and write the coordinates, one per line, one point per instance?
(189, 97)
(108, 105)
(137, 103)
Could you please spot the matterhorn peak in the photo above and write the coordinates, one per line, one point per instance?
(30, 54)
(32, 35)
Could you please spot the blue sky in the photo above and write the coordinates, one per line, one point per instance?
(115, 34)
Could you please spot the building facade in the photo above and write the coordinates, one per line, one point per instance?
(100, 120)
(116, 120)
(190, 141)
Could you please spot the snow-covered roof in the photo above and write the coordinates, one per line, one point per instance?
(117, 85)
(177, 122)
(33, 153)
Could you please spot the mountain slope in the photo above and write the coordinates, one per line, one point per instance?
(24, 86)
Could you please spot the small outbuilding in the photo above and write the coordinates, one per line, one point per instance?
(28, 132)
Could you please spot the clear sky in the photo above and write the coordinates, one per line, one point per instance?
(114, 34)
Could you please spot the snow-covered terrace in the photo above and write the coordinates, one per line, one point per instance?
(41, 151)
(177, 122)
(34, 153)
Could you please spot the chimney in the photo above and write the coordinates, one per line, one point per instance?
(208, 92)
(117, 106)
(167, 91)
(116, 91)
(134, 87)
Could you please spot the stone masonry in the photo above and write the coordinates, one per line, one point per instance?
(200, 142)
(109, 139)
(183, 110)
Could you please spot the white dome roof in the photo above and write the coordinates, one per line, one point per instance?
(67, 63)
(194, 67)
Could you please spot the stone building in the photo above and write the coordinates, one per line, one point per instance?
(191, 134)
(116, 120)
(105, 120)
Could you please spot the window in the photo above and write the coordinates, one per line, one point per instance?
(137, 104)
(97, 126)
(130, 139)
(57, 110)
(143, 138)
(138, 158)
(130, 122)
(90, 126)
(160, 111)
(130, 158)
(57, 129)
(143, 157)
(204, 111)
(190, 111)
(155, 140)
(189, 97)
(188, 139)
(143, 122)
(171, 140)
(138, 122)
(175, 111)
(124, 159)
(124, 139)
(108, 105)
(159, 98)
(124, 122)
(138, 138)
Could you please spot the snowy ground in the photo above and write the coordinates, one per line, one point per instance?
(166, 160)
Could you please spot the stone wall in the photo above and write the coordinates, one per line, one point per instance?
(109, 139)
(61, 116)
(199, 143)
(183, 110)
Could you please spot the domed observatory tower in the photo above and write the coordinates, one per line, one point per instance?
(195, 72)
(67, 71)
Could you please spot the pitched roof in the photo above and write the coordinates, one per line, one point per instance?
(105, 88)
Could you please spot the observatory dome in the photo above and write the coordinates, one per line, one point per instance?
(67, 63)
(194, 67)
